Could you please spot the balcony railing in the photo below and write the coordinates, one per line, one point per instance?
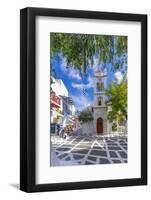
(55, 100)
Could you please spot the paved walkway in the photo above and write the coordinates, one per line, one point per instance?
(82, 150)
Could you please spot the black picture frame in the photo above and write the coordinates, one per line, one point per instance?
(28, 99)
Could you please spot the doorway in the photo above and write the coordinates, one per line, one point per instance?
(100, 126)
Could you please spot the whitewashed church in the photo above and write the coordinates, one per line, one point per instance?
(99, 107)
(100, 124)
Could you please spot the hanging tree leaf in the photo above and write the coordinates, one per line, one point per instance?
(79, 49)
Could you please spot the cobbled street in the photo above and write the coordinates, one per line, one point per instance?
(82, 150)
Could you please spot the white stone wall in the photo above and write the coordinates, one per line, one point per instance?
(100, 112)
(59, 88)
(109, 127)
(88, 128)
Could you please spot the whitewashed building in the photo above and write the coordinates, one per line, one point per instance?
(99, 106)
(62, 109)
(58, 89)
(100, 124)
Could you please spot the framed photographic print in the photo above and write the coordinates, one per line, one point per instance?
(83, 99)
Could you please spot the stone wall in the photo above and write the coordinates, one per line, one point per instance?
(100, 112)
(88, 128)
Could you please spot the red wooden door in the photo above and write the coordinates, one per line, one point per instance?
(99, 126)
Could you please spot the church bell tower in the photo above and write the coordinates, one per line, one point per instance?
(99, 105)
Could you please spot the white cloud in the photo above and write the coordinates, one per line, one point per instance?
(96, 63)
(73, 73)
(82, 85)
(81, 101)
(78, 85)
(69, 71)
(118, 75)
(63, 64)
(91, 81)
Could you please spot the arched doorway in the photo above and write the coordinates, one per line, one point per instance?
(99, 126)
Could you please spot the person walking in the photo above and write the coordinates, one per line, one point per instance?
(58, 129)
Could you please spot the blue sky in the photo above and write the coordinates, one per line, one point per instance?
(80, 89)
